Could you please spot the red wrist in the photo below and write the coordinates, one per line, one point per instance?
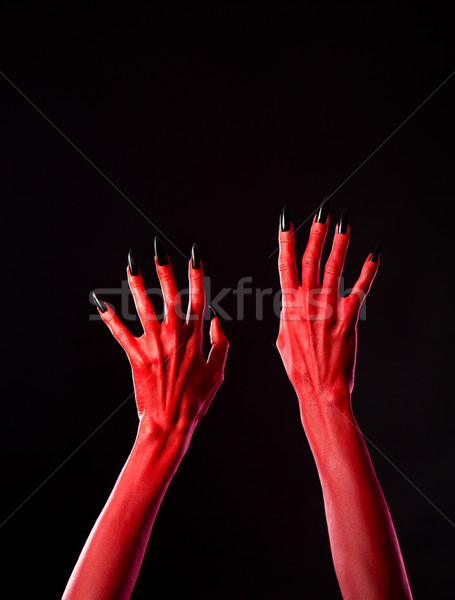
(152, 435)
(325, 405)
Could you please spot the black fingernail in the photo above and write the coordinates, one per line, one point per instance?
(214, 314)
(376, 253)
(342, 226)
(160, 252)
(195, 258)
(285, 219)
(132, 263)
(322, 213)
(99, 303)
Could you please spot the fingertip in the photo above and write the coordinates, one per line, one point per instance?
(318, 233)
(195, 272)
(213, 332)
(216, 331)
(341, 240)
(371, 266)
(287, 234)
(285, 219)
(162, 268)
(375, 255)
(133, 265)
(161, 257)
(129, 275)
(366, 278)
(343, 235)
(195, 257)
(214, 320)
(343, 222)
(318, 225)
(135, 282)
(100, 304)
(322, 214)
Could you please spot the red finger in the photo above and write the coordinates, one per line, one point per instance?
(289, 278)
(143, 305)
(363, 284)
(172, 302)
(334, 266)
(218, 354)
(196, 304)
(311, 259)
(126, 340)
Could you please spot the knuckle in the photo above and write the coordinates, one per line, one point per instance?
(192, 346)
(197, 300)
(356, 295)
(315, 233)
(308, 261)
(135, 286)
(284, 265)
(194, 317)
(147, 314)
(166, 275)
(331, 268)
(286, 237)
(170, 302)
(142, 363)
(197, 308)
(195, 275)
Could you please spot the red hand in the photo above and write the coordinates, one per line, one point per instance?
(318, 333)
(174, 384)
(174, 387)
(317, 342)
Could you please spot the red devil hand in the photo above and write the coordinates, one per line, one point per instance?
(174, 384)
(317, 342)
(318, 328)
(174, 387)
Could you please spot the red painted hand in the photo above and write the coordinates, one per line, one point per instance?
(174, 384)
(318, 328)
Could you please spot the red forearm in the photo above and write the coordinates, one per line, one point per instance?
(111, 558)
(364, 545)
(174, 386)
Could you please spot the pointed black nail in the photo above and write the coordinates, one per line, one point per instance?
(195, 258)
(285, 219)
(342, 226)
(376, 253)
(99, 303)
(322, 213)
(214, 314)
(132, 263)
(160, 252)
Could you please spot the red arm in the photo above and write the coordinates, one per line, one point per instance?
(174, 387)
(317, 343)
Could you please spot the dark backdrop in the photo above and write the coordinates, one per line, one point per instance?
(208, 120)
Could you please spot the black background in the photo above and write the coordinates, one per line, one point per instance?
(209, 119)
